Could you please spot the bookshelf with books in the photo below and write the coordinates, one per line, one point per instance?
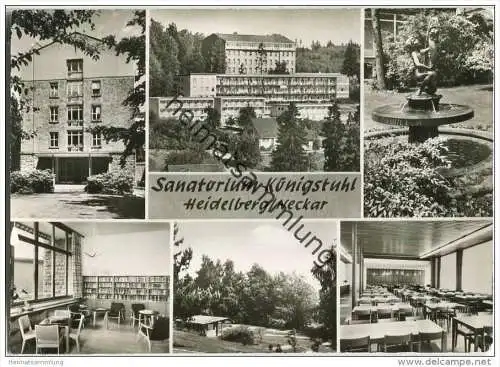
(126, 288)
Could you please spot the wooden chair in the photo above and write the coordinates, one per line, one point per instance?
(362, 315)
(405, 312)
(136, 307)
(158, 332)
(47, 336)
(75, 313)
(428, 337)
(76, 335)
(361, 344)
(397, 343)
(115, 312)
(27, 333)
(384, 313)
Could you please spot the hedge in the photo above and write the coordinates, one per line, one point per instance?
(117, 183)
(30, 182)
(240, 334)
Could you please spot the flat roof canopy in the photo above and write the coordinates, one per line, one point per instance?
(204, 319)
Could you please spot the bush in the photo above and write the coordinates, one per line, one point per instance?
(404, 180)
(34, 181)
(240, 334)
(401, 179)
(116, 183)
(465, 51)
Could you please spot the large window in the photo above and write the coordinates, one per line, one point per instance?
(477, 268)
(448, 273)
(75, 115)
(75, 139)
(75, 89)
(41, 261)
(74, 66)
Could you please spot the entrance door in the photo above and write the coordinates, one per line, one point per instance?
(73, 170)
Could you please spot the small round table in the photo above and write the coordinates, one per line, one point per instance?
(147, 316)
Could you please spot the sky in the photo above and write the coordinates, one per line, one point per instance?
(266, 243)
(336, 25)
(108, 22)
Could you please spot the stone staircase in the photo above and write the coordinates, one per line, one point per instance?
(65, 188)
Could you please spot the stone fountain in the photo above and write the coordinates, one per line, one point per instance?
(422, 114)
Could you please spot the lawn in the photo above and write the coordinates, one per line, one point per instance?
(76, 205)
(478, 97)
(186, 342)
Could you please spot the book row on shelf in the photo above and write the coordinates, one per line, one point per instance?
(133, 288)
(126, 297)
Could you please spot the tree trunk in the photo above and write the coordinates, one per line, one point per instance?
(379, 52)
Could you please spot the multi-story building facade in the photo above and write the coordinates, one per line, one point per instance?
(73, 93)
(229, 107)
(252, 54)
(296, 88)
(268, 94)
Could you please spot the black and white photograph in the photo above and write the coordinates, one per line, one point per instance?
(416, 286)
(428, 112)
(88, 288)
(267, 89)
(76, 124)
(255, 287)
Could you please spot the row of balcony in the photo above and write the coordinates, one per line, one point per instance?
(259, 91)
(277, 82)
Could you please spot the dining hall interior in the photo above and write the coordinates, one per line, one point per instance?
(416, 286)
(88, 288)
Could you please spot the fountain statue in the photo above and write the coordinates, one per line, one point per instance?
(422, 112)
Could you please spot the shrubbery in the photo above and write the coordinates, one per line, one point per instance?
(188, 157)
(30, 182)
(116, 183)
(466, 51)
(240, 334)
(404, 180)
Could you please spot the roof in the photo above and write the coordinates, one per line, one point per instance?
(205, 319)
(294, 75)
(268, 38)
(266, 127)
(75, 35)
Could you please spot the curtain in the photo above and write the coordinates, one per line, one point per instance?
(77, 266)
